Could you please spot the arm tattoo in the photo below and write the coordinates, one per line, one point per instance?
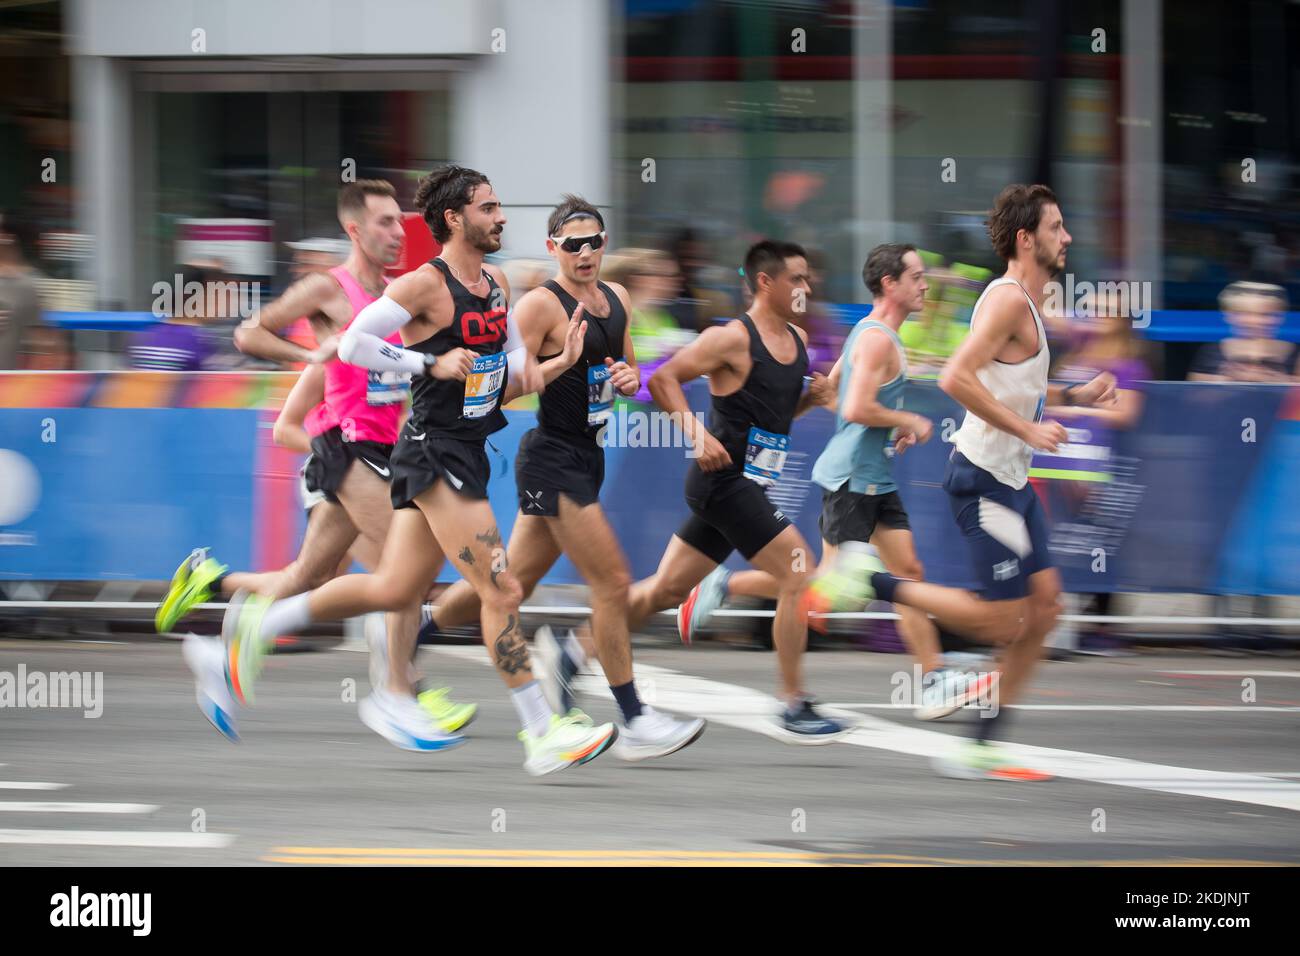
(491, 537)
(466, 555)
(511, 650)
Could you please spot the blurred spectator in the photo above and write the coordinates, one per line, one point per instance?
(525, 275)
(309, 256)
(824, 337)
(651, 279)
(47, 349)
(179, 343)
(933, 336)
(1252, 352)
(1088, 504)
(20, 302)
(695, 304)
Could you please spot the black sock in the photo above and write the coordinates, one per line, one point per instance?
(215, 587)
(628, 702)
(429, 634)
(884, 583)
(988, 724)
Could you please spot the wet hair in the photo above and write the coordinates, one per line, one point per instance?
(768, 257)
(446, 188)
(1017, 207)
(885, 260)
(352, 196)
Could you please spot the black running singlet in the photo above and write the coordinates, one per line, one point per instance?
(578, 402)
(753, 418)
(469, 410)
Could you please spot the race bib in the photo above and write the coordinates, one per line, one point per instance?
(765, 456)
(483, 384)
(387, 388)
(600, 395)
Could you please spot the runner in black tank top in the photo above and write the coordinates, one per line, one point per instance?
(559, 470)
(450, 420)
(738, 457)
(439, 462)
(561, 456)
(767, 401)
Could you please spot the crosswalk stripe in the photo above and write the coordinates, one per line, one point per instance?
(10, 806)
(115, 838)
(30, 785)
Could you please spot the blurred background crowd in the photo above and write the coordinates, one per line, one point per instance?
(177, 144)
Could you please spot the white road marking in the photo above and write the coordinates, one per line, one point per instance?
(736, 706)
(115, 838)
(30, 785)
(1260, 672)
(19, 807)
(1171, 708)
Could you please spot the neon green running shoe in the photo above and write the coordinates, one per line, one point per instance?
(191, 586)
(568, 742)
(445, 712)
(974, 760)
(846, 585)
(245, 649)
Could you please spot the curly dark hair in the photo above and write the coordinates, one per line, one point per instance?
(446, 188)
(1017, 207)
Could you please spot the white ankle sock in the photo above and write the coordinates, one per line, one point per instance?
(530, 704)
(285, 617)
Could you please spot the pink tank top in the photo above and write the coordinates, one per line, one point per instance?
(366, 405)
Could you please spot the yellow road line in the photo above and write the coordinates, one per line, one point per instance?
(416, 856)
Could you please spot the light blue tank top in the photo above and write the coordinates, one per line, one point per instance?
(857, 454)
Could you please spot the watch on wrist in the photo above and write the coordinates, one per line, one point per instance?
(429, 362)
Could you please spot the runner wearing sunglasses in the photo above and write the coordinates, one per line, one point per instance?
(559, 472)
(451, 314)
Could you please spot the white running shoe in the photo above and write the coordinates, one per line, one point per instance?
(953, 690)
(206, 657)
(376, 633)
(656, 734)
(705, 598)
(403, 723)
(559, 668)
(570, 741)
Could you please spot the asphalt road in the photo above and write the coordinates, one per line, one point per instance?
(1159, 761)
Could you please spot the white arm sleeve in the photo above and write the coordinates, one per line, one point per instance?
(515, 362)
(514, 338)
(363, 343)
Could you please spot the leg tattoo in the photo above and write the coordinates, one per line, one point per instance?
(511, 650)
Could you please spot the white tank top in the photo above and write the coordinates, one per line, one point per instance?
(1021, 387)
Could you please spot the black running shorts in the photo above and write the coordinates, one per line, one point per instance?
(420, 460)
(548, 466)
(331, 457)
(849, 516)
(729, 512)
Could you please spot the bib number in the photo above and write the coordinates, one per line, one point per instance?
(387, 388)
(483, 384)
(765, 456)
(600, 395)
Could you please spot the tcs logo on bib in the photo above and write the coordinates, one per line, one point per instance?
(478, 328)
